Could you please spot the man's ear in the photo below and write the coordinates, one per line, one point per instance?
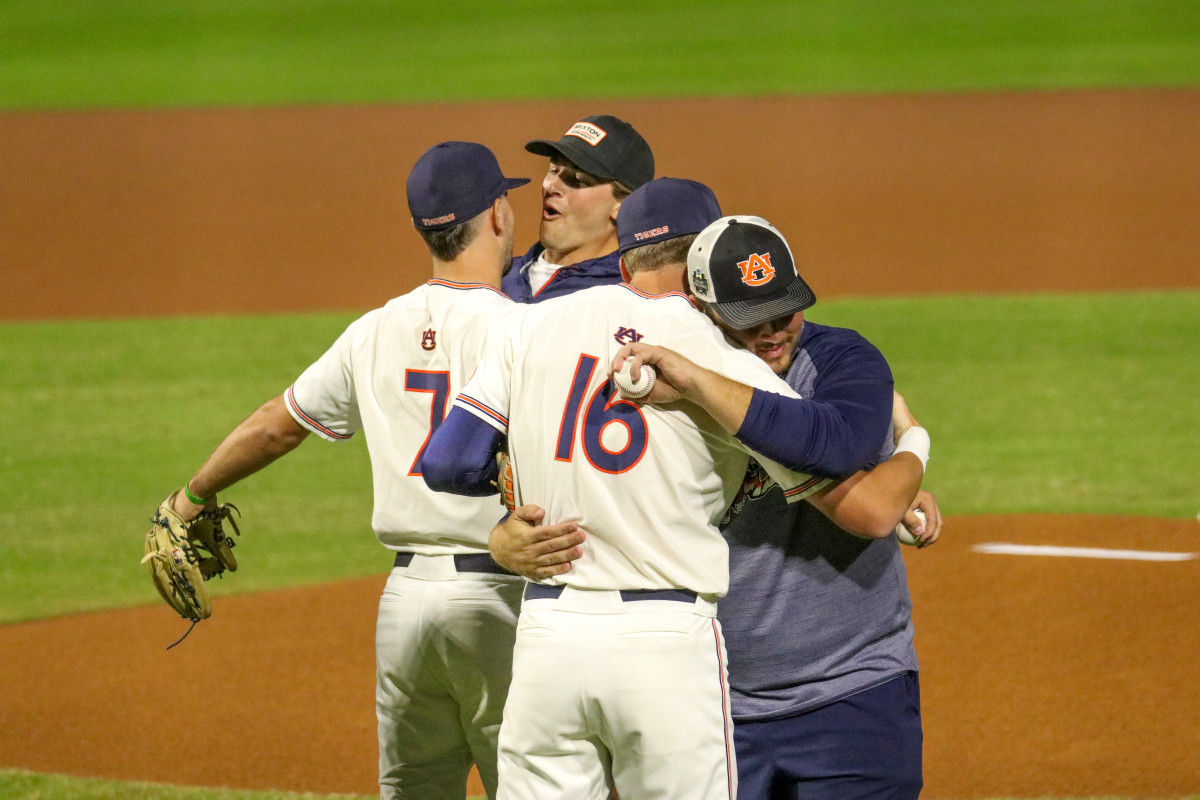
(626, 275)
(497, 216)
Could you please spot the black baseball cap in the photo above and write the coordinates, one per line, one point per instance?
(742, 267)
(453, 182)
(604, 146)
(665, 208)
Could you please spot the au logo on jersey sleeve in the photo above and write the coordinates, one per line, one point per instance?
(429, 340)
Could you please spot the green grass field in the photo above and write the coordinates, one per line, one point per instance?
(1038, 403)
(144, 53)
(22, 785)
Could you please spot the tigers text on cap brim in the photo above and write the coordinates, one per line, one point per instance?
(664, 208)
(743, 268)
(453, 182)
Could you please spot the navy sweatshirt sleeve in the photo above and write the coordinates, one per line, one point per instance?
(838, 429)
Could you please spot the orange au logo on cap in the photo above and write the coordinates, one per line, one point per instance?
(588, 132)
(757, 269)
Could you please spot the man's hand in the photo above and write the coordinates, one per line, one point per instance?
(675, 373)
(521, 545)
(927, 532)
(679, 378)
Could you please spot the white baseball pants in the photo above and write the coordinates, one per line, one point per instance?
(443, 645)
(617, 692)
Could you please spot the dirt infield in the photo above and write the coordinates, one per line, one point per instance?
(1041, 676)
(298, 209)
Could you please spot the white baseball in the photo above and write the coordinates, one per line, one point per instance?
(627, 387)
(904, 534)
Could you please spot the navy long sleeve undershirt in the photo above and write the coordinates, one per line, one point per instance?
(460, 455)
(838, 436)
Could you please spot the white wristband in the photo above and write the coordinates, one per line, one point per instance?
(915, 440)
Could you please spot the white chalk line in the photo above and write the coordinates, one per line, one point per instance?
(1002, 548)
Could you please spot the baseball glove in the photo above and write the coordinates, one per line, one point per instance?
(504, 481)
(182, 555)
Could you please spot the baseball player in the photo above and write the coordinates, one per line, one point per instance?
(594, 165)
(823, 669)
(448, 612)
(818, 623)
(822, 710)
(628, 633)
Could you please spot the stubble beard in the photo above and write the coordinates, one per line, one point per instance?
(506, 258)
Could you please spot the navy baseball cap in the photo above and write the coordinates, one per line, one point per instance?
(742, 267)
(453, 182)
(664, 209)
(604, 146)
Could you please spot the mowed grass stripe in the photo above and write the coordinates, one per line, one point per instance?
(1037, 404)
(144, 53)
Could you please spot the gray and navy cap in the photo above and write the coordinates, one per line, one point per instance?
(604, 146)
(742, 267)
(453, 182)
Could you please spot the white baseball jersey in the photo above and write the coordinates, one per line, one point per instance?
(393, 374)
(648, 484)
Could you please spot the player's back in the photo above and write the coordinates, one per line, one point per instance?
(647, 483)
(406, 362)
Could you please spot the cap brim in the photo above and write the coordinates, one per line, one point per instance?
(577, 156)
(509, 184)
(743, 314)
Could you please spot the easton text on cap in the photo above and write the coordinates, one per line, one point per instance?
(604, 146)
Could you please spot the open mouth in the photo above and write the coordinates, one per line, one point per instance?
(550, 212)
(769, 350)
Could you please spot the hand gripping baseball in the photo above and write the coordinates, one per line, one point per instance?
(661, 373)
(922, 524)
(634, 385)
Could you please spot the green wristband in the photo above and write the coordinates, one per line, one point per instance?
(195, 500)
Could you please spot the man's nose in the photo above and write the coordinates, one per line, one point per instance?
(779, 324)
